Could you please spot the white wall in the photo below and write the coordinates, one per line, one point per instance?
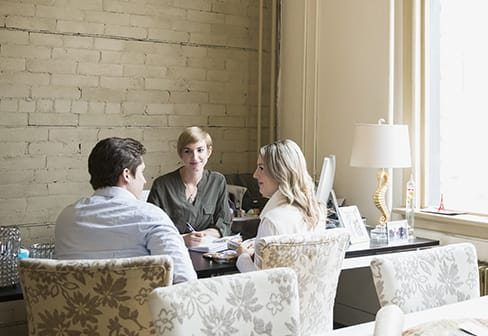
(334, 73)
(334, 62)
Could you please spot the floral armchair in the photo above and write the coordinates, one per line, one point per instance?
(317, 260)
(92, 297)
(418, 280)
(254, 303)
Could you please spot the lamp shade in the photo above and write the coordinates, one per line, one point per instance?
(380, 146)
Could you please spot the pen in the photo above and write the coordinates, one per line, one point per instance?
(189, 228)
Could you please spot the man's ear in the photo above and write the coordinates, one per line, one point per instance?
(210, 149)
(124, 177)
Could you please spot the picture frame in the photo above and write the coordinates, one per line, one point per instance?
(353, 222)
(397, 231)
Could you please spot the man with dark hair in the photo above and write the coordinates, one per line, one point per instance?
(113, 222)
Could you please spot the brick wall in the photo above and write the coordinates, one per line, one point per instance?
(74, 72)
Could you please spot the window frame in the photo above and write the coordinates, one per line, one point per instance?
(429, 110)
(412, 83)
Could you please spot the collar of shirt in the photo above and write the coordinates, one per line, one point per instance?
(201, 183)
(114, 192)
(276, 199)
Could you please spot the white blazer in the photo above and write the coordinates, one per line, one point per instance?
(277, 218)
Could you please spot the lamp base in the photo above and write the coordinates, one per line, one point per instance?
(379, 235)
(379, 196)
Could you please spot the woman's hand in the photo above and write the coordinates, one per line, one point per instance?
(246, 248)
(211, 232)
(193, 238)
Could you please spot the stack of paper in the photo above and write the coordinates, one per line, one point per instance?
(211, 244)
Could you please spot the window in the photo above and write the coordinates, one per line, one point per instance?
(456, 60)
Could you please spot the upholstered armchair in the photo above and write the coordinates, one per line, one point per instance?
(92, 297)
(418, 280)
(317, 260)
(254, 303)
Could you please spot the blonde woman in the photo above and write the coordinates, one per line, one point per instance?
(194, 197)
(292, 206)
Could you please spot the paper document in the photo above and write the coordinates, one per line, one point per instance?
(211, 244)
(474, 328)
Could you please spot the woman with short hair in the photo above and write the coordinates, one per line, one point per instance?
(194, 197)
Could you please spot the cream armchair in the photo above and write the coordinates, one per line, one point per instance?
(317, 260)
(90, 297)
(418, 280)
(254, 303)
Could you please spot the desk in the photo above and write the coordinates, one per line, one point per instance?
(203, 267)
(356, 256)
(475, 308)
(360, 255)
(206, 268)
(10, 293)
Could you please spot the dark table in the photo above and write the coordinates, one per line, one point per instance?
(360, 255)
(371, 248)
(11, 293)
(206, 268)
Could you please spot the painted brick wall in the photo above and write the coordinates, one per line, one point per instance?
(74, 72)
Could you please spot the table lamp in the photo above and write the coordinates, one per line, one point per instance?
(381, 146)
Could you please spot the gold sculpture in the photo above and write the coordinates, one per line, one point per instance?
(379, 196)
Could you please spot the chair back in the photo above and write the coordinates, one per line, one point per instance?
(418, 280)
(104, 296)
(317, 260)
(254, 303)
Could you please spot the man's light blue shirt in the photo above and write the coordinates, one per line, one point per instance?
(113, 223)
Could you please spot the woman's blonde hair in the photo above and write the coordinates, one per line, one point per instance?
(191, 135)
(284, 162)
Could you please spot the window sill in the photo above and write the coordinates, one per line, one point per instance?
(465, 225)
